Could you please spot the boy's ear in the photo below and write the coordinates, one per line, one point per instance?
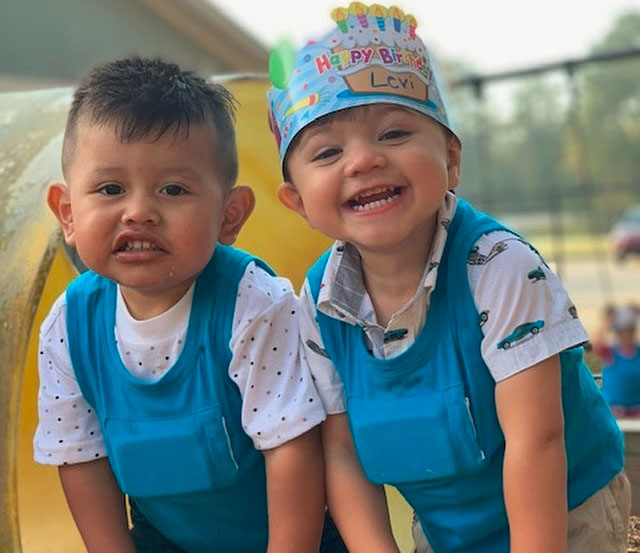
(290, 197)
(58, 199)
(239, 205)
(454, 161)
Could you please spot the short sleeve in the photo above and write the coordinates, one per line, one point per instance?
(325, 376)
(525, 312)
(280, 401)
(68, 430)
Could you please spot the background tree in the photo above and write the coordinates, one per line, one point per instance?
(559, 141)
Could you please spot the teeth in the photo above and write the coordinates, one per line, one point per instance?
(372, 192)
(139, 245)
(378, 203)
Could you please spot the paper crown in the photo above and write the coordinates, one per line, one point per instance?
(372, 56)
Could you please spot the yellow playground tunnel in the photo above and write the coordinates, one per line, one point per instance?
(36, 268)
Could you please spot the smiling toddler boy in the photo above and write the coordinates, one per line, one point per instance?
(445, 338)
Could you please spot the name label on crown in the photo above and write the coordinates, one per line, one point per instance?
(379, 80)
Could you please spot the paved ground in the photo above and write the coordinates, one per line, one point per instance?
(593, 283)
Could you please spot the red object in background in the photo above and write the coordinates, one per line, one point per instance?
(625, 234)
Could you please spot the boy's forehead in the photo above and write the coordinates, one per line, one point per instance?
(127, 131)
(103, 148)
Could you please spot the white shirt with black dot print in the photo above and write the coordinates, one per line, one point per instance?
(280, 401)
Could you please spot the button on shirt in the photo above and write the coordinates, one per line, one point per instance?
(280, 401)
(511, 285)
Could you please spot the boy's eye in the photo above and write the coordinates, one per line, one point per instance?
(394, 134)
(173, 190)
(111, 189)
(326, 154)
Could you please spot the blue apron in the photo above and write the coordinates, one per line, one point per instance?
(425, 421)
(176, 446)
(621, 380)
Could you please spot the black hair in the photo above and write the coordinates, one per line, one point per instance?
(145, 98)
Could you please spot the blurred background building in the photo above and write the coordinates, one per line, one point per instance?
(51, 43)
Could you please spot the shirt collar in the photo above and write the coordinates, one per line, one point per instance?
(343, 294)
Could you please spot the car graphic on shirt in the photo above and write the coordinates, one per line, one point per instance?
(477, 258)
(520, 332)
(484, 316)
(395, 335)
(315, 348)
(536, 275)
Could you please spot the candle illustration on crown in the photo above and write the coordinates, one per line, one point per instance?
(412, 23)
(303, 103)
(379, 12)
(360, 11)
(339, 15)
(398, 15)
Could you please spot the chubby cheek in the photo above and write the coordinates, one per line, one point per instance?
(198, 226)
(91, 240)
(198, 239)
(94, 254)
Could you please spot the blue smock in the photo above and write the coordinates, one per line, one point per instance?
(621, 380)
(176, 446)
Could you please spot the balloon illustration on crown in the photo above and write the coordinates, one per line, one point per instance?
(372, 55)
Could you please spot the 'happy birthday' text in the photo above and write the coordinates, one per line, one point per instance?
(388, 56)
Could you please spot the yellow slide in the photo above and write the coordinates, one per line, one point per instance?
(35, 270)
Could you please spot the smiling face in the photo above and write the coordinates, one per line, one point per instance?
(147, 214)
(374, 176)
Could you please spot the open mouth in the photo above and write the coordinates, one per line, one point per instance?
(137, 246)
(375, 198)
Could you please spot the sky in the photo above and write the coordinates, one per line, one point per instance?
(491, 35)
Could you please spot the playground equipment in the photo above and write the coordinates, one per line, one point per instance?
(36, 268)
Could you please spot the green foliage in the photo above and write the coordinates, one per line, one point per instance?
(561, 141)
(611, 107)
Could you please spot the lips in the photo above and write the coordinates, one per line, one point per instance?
(374, 198)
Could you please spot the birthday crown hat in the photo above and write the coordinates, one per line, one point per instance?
(373, 55)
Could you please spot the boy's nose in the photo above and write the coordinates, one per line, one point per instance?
(363, 157)
(141, 210)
